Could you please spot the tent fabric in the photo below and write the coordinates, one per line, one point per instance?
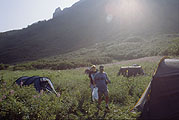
(141, 102)
(164, 97)
(21, 79)
(31, 80)
(49, 85)
(163, 92)
(39, 83)
(168, 67)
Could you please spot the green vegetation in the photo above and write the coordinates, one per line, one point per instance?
(76, 39)
(3, 66)
(74, 102)
(172, 48)
(120, 48)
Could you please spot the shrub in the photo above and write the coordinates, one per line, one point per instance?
(172, 49)
(3, 66)
(74, 103)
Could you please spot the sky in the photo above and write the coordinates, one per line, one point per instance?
(17, 14)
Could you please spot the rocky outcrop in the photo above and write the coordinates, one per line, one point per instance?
(57, 12)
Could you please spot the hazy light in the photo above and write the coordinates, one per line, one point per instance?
(109, 18)
(126, 10)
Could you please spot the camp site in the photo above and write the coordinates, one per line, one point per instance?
(26, 103)
(89, 59)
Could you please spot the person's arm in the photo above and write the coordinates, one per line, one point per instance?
(89, 75)
(94, 79)
(107, 79)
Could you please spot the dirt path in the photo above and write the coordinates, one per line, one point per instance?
(137, 61)
(144, 59)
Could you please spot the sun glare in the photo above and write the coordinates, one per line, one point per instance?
(130, 6)
(125, 9)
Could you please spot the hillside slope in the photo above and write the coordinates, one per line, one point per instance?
(91, 22)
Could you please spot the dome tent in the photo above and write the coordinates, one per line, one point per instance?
(40, 83)
(160, 100)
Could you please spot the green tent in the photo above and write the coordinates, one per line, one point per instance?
(160, 100)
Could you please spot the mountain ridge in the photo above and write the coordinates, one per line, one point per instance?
(84, 24)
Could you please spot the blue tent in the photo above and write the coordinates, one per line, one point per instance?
(40, 83)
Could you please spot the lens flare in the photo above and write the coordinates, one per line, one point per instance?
(126, 10)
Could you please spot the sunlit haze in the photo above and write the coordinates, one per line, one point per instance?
(17, 14)
(125, 10)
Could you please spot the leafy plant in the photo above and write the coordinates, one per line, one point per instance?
(74, 103)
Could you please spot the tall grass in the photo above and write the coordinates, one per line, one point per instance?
(74, 103)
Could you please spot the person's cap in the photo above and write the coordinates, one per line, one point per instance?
(93, 66)
(101, 67)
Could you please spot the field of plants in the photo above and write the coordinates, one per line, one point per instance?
(18, 103)
(121, 48)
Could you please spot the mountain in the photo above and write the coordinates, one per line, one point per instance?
(87, 23)
(57, 12)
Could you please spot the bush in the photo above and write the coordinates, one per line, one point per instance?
(3, 66)
(63, 66)
(74, 102)
(172, 49)
(100, 60)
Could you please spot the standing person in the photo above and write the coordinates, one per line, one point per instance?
(92, 73)
(101, 80)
